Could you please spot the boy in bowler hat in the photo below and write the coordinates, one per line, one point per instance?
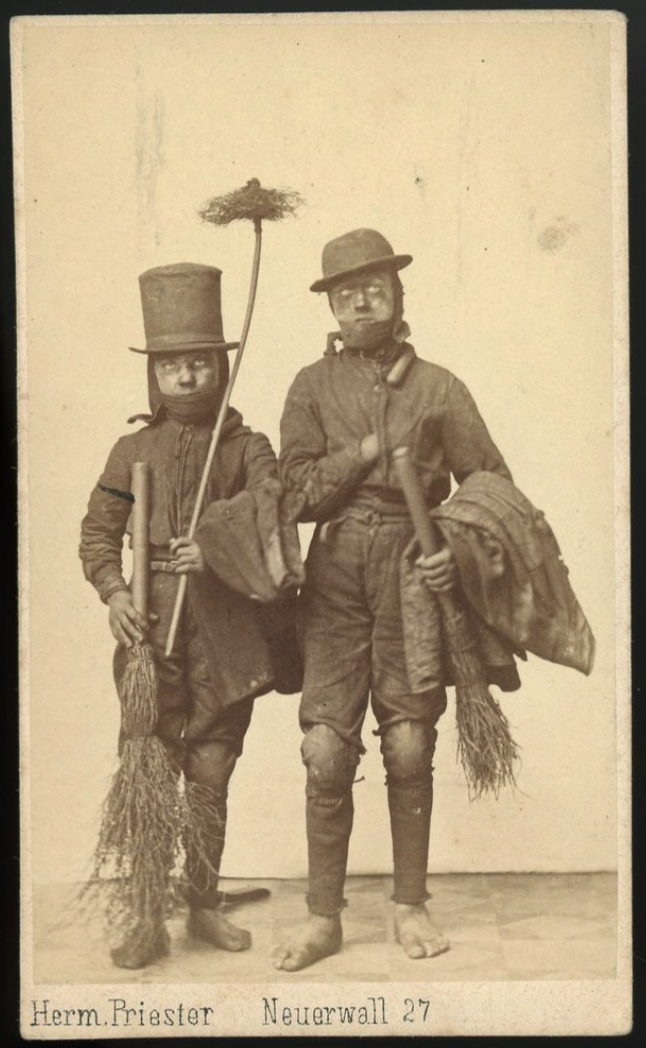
(344, 414)
(221, 660)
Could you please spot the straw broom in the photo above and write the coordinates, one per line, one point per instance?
(251, 203)
(145, 812)
(485, 745)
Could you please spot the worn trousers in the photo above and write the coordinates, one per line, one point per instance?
(203, 739)
(350, 626)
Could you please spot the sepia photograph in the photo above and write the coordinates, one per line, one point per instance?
(324, 524)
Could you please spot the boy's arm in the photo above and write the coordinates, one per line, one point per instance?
(101, 547)
(467, 443)
(104, 526)
(259, 462)
(305, 465)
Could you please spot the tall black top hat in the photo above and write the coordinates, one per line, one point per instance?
(182, 309)
(353, 252)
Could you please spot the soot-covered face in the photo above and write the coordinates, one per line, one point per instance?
(363, 305)
(181, 373)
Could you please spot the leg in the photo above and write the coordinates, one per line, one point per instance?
(335, 627)
(331, 763)
(205, 845)
(407, 728)
(214, 739)
(407, 747)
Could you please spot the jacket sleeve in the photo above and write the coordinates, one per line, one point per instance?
(259, 462)
(305, 466)
(468, 446)
(104, 525)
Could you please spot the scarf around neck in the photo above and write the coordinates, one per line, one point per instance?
(192, 408)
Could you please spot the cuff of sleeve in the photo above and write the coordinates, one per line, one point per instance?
(355, 457)
(106, 589)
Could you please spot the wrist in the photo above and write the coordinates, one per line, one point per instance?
(117, 596)
(109, 589)
(369, 448)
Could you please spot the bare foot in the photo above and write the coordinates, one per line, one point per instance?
(210, 926)
(416, 932)
(139, 951)
(318, 938)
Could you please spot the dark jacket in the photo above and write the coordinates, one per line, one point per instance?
(341, 398)
(239, 644)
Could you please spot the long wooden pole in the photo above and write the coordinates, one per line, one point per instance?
(140, 484)
(215, 438)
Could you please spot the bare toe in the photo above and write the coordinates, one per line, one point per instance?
(416, 932)
(278, 956)
(212, 927)
(320, 937)
(293, 962)
(413, 947)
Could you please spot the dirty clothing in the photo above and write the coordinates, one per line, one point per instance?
(350, 617)
(176, 455)
(531, 603)
(351, 630)
(341, 398)
(407, 747)
(208, 684)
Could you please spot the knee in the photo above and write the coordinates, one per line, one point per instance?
(210, 764)
(407, 749)
(330, 760)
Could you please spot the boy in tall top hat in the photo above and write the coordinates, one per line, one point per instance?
(221, 659)
(342, 417)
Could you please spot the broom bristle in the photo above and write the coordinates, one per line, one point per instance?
(203, 824)
(138, 691)
(138, 835)
(252, 202)
(147, 819)
(486, 748)
(147, 823)
(145, 814)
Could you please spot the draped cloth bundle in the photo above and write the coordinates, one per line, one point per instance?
(514, 597)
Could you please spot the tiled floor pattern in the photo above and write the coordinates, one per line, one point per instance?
(501, 927)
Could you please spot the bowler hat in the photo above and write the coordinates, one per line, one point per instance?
(353, 252)
(182, 309)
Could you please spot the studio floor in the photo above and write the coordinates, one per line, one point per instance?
(501, 927)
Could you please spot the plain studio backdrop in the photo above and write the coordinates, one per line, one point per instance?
(484, 150)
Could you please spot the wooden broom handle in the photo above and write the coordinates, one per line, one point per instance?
(414, 494)
(215, 437)
(140, 484)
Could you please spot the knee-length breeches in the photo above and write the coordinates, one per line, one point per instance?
(203, 738)
(351, 631)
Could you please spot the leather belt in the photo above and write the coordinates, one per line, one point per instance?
(167, 566)
(379, 514)
(371, 516)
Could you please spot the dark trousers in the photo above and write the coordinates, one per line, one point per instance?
(350, 625)
(203, 739)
